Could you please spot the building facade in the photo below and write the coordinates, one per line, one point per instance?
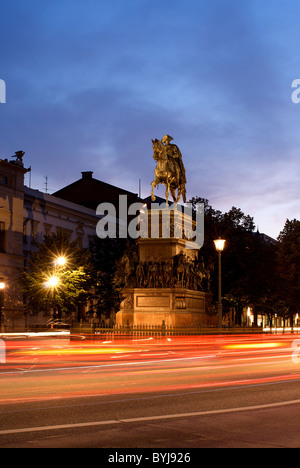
(26, 215)
(45, 215)
(11, 240)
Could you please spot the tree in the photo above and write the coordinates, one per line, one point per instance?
(63, 284)
(248, 262)
(288, 263)
(106, 254)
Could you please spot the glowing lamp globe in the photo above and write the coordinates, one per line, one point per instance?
(220, 244)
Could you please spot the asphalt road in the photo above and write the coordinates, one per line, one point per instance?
(203, 392)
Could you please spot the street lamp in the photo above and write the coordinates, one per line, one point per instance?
(220, 244)
(2, 287)
(60, 261)
(52, 282)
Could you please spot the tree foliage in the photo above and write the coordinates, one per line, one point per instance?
(75, 279)
(106, 254)
(288, 264)
(248, 261)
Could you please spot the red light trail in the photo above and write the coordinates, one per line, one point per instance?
(53, 369)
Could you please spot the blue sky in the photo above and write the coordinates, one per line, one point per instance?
(89, 83)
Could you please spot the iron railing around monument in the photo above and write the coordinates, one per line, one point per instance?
(95, 331)
(99, 332)
(154, 330)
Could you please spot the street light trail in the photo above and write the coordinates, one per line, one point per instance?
(83, 393)
(73, 370)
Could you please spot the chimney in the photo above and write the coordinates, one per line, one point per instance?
(87, 175)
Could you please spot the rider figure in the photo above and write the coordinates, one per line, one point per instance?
(174, 154)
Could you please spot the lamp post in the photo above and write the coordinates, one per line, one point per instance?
(53, 282)
(220, 244)
(2, 287)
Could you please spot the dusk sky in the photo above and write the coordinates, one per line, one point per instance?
(89, 83)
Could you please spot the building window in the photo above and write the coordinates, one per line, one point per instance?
(3, 180)
(2, 237)
(47, 229)
(67, 232)
(79, 241)
(34, 231)
(26, 230)
(24, 233)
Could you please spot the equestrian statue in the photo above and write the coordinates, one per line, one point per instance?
(169, 170)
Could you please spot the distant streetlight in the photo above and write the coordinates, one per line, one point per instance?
(220, 244)
(2, 287)
(248, 316)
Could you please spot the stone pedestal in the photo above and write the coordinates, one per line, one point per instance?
(177, 307)
(170, 283)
